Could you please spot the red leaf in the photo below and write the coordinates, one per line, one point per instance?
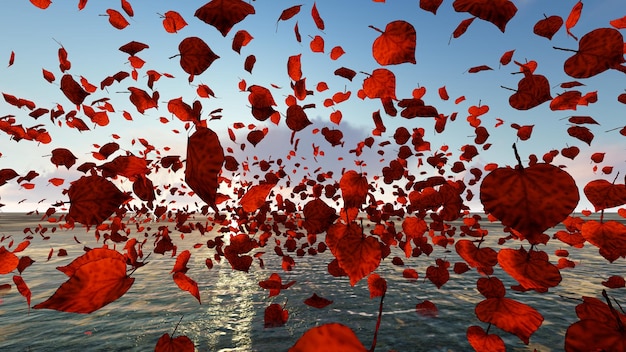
(476, 69)
(128, 8)
(427, 309)
(498, 12)
(462, 27)
(380, 84)
(483, 342)
(241, 39)
(608, 236)
(93, 199)
(376, 285)
(185, 283)
(615, 281)
(181, 262)
(328, 337)
(483, 258)
(289, 12)
(548, 26)
(297, 119)
(62, 156)
(345, 73)
(317, 44)
(336, 52)
(530, 268)
(8, 261)
(570, 152)
(249, 64)
(195, 56)
(573, 17)
(603, 194)
(99, 280)
(598, 51)
(580, 120)
(530, 200)
(318, 216)
(179, 344)
(173, 22)
(205, 158)
(430, 5)
(439, 274)
(64, 63)
(532, 91)
(262, 101)
(294, 67)
(582, 133)
(319, 22)
(275, 316)
(357, 254)
(22, 288)
(490, 287)
(42, 4)
(396, 45)
(601, 327)
(255, 197)
(354, 188)
(316, 301)
(619, 23)
(116, 19)
(48, 76)
(275, 284)
(511, 316)
(224, 14)
(72, 90)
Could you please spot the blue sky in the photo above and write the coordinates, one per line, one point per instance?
(91, 42)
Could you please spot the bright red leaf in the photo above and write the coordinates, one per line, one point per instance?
(328, 337)
(511, 316)
(99, 280)
(396, 45)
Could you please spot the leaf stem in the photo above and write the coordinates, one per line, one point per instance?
(613, 311)
(380, 315)
(565, 49)
(176, 327)
(519, 161)
(376, 29)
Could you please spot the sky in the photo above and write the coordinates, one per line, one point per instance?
(92, 44)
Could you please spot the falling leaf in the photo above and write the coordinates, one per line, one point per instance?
(573, 18)
(598, 51)
(116, 19)
(548, 26)
(93, 199)
(316, 301)
(173, 22)
(205, 158)
(328, 337)
(511, 316)
(357, 254)
(166, 343)
(498, 12)
(98, 280)
(185, 283)
(396, 45)
(531, 199)
(224, 14)
(195, 56)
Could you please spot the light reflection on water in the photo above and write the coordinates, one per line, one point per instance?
(230, 317)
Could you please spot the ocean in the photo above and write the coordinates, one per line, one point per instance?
(230, 317)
